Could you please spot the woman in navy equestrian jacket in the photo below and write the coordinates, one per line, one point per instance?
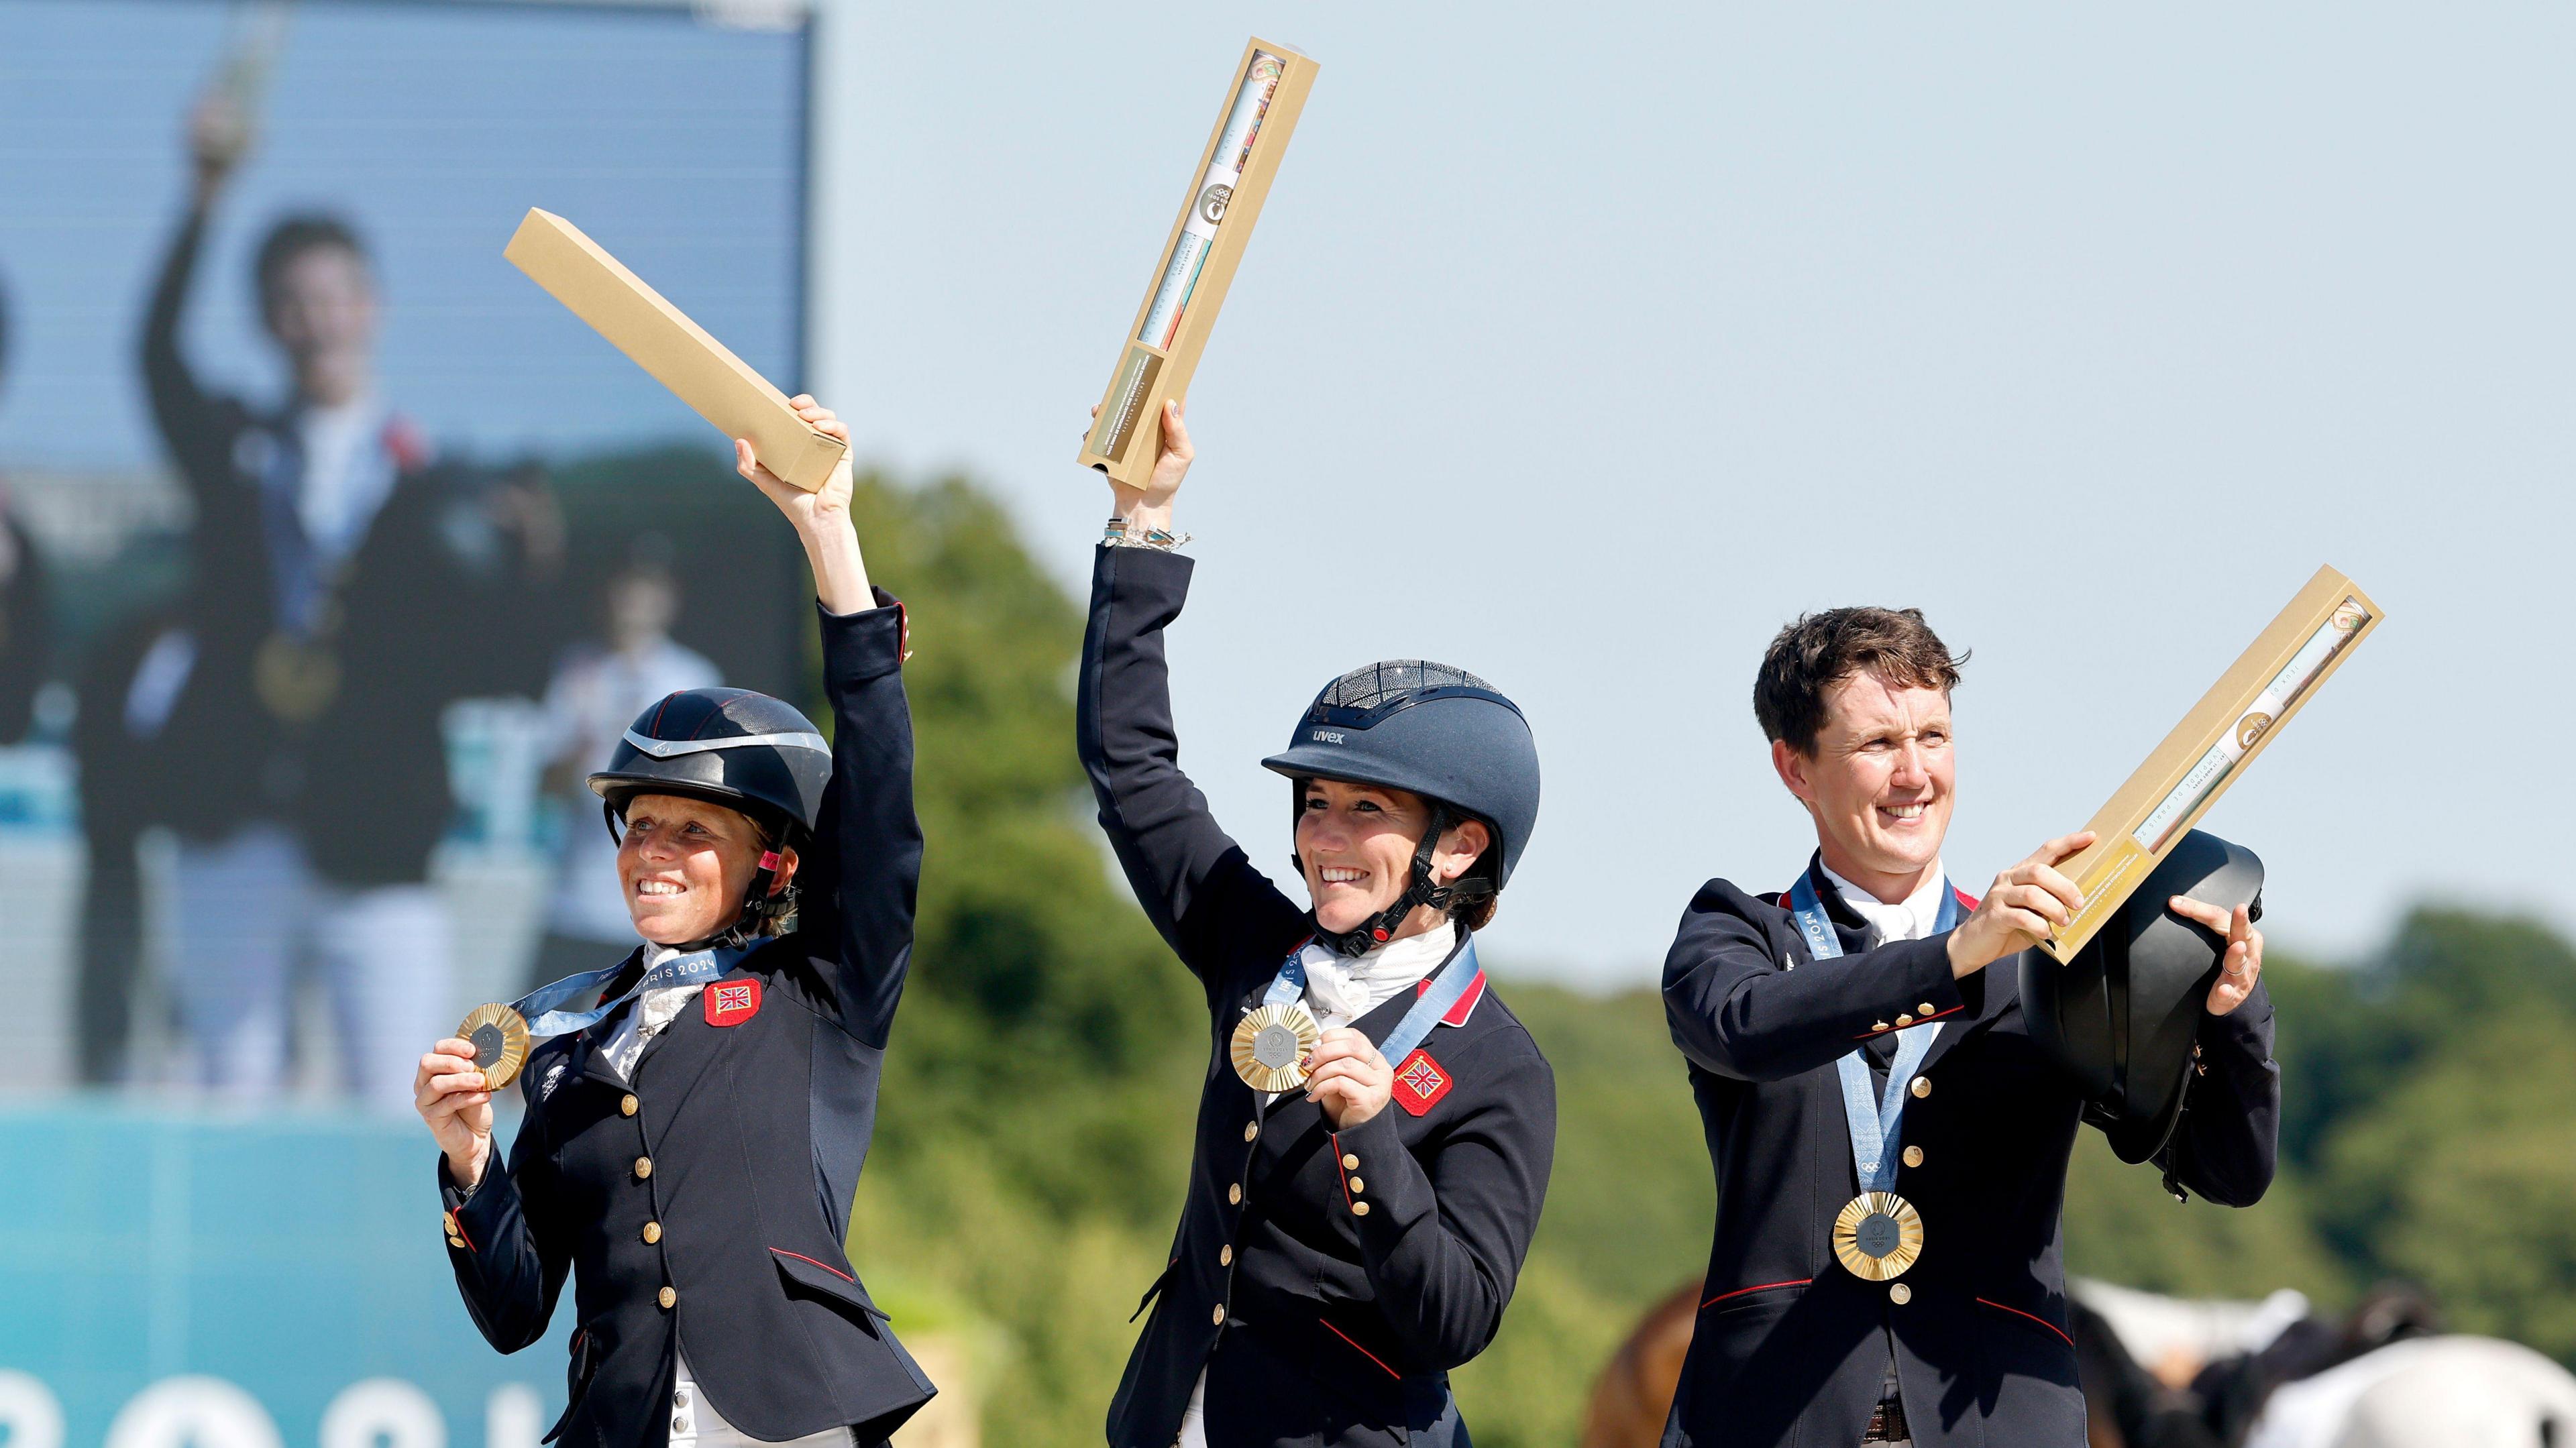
(771, 876)
(1349, 1236)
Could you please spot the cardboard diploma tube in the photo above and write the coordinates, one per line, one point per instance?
(2203, 755)
(1199, 257)
(678, 352)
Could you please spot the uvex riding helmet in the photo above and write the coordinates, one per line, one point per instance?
(2122, 1016)
(732, 747)
(1438, 732)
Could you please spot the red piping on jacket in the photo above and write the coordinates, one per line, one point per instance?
(1346, 1187)
(1363, 1352)
(826, 1266)
(2017, 1312)
(1740, 1291)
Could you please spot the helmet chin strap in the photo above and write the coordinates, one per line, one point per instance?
(1380, 928)
(759, 907)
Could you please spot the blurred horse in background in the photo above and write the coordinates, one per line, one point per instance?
(2166, 1372)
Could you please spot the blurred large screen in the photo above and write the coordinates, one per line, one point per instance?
(335, 552)
(162, 622)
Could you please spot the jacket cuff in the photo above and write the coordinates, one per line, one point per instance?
(1158, 572)
(474, 1214)
(2244, 1031)
(1923, 988)
(1386, 1194)
(866, 645)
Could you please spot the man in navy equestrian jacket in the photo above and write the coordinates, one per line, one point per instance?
(1890, 1143)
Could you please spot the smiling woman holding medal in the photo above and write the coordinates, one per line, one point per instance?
(1375, 1128)
(1890, 1130)
(692, 1141)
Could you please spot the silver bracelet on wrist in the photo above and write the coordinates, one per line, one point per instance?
(1117, 536)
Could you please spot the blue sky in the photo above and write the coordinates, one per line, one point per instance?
(1583, 348)
(1580, 350)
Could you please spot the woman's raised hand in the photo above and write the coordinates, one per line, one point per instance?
(452, 1098)
(1150, 506)
(798, 504)
(822, 518)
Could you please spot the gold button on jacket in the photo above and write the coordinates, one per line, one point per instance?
(1900, 1294)
(1225, 1256)
(643, 1167)
(652, 1232)
(1216, 1314)
(1350, 1163)
(627, 1106)
(1251, 1130)
(1234, 1194)
(669, 1297)
(1358, 1186)
(1359, 1209)
(1913, 1156)
(1922, 1087)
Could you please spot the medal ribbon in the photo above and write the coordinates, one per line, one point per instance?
(1876, 1127)
(538, 1006)
(1448, 985)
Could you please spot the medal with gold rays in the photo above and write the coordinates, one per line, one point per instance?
(1878, 1235)
(1270, 1045)
(500, 1038)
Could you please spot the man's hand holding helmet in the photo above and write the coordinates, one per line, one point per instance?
(2242, 966)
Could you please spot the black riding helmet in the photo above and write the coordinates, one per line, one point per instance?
(1435, 731)
(732, 747)
(2121, 1018)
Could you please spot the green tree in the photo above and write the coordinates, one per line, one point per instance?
(2463, 1178)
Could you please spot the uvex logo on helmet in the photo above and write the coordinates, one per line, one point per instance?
(1325, 736)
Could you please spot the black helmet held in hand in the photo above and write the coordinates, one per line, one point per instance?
(731, 747)
(1435, 731)
(2123, 1015)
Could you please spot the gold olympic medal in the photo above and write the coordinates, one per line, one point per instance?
(500, 1037)
(1270, 1043)
(294, 679)
(1878, 1235)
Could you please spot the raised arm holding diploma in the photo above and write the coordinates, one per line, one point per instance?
(693, 1140)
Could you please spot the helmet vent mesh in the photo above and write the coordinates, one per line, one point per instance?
(1392, 679)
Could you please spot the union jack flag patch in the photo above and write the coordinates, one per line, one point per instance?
(1420, 1082)
(731, 1002)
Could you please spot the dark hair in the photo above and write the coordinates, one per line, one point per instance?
(1821, 650)
(292, 237)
